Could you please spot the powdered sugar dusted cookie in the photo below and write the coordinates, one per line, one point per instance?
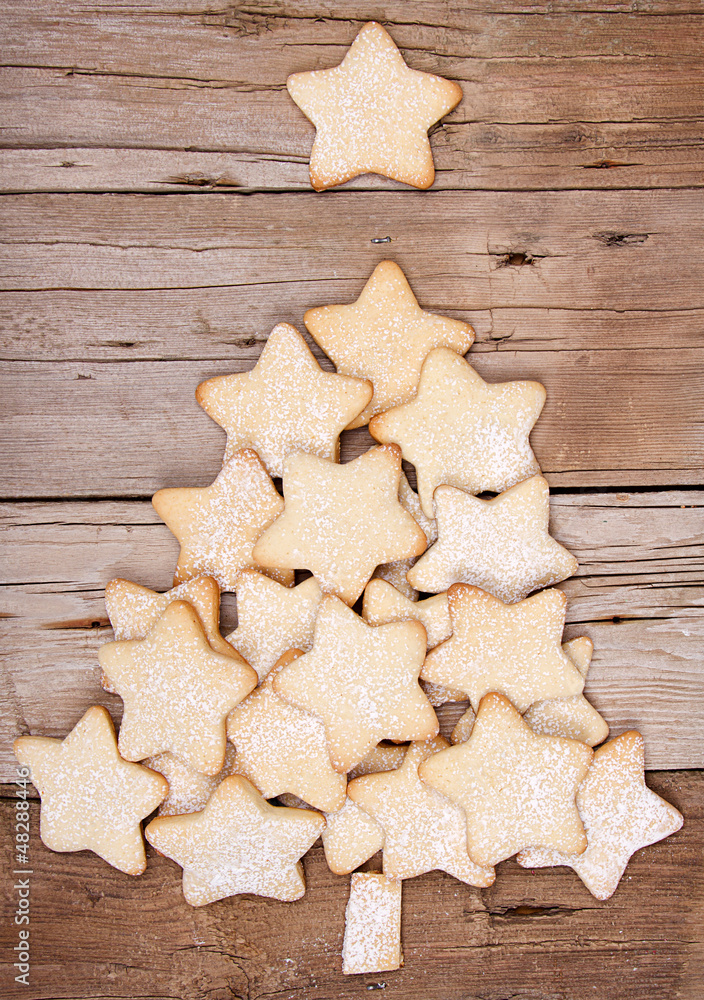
(501, 545)
(239, 843)
(384, 336)
(372, 925)
(517, 789)
(361, 681)
(281, 748)
(341, 521)
(620, 814)
(189, 790)
(461, 431)
(92, 799)
(515, 649)
(423, 829)
(133, 610)
(395, 573)
(218, 525)
(382, 757)
(286, 403)
(572, 717)
(272, 619)
(372, 113)
(177, 690)
(383, 604)
(351, 836)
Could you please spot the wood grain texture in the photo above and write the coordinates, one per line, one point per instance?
(186, 97)
(233, 322)
(538, 936)
(626, 420)
(468, 156)
(585, 250)
(638, 594)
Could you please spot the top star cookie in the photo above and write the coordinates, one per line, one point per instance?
(286, 403)
(384, 336)
(372, 113)
(462, 431)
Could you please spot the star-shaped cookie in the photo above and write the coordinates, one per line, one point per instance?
(372, 113)
(239, 843)
(286, 403)
(92, 799)
(572, 717)
(620, 814)
(517, 789)
(384, 603)
(362, 681)
(282, 748)
(341, 521)
(423, 829)
(218, 525)
(384, 336)
(461, 431)
(501, 545)
(272, 619)
(176, 689)
(515, 649)
(133, 610)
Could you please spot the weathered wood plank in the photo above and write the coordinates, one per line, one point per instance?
(200, 41)
(137, 937)
(624, 84)
(604, 250)
(639, 594)
(89, 429)
(468, 156)
(548, 100)
(234, 322)
(551, 133)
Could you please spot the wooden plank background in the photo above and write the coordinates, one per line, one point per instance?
(156, 223)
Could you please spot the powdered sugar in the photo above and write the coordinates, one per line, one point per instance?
(372, 925)
(620, 814)
(218, 526)
(500, 545)
(372, 113)
(516, 788)
(362, 681)
(423, 829)
(341, 521)
(176, 689)
(239, 843)
(272, 619)
(91, 798)
(384, 336)
(286, 403)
